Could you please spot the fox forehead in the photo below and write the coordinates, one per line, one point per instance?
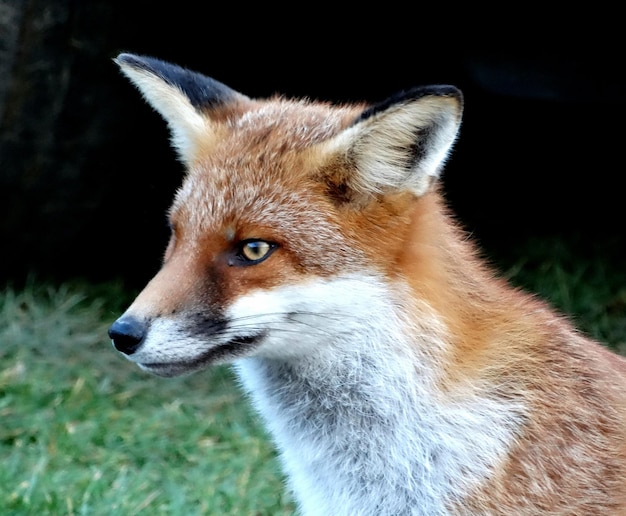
(296, 123)
(257, 177)
(247, 204)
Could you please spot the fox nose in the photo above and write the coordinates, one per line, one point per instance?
(127, 333)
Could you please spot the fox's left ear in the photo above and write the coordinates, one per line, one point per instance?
(401, 143)
(182, 97)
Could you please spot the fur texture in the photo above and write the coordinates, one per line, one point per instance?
(398, 375)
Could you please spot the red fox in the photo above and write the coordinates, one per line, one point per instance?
(312, 248)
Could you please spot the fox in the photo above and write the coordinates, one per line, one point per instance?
(397, 372)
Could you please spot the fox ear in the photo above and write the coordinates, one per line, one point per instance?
(181, 96)
(401, 143)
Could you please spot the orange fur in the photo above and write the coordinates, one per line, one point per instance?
(353, 201)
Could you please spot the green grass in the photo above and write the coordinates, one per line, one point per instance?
(85, 432)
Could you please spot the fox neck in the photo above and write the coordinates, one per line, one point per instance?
(341, 421)
(380, 399)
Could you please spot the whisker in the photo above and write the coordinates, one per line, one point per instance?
(336, 316)
(287, 323)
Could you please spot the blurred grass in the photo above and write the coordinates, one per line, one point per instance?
(84, 432)
(585, 280)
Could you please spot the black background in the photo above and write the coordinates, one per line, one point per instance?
(86, 171)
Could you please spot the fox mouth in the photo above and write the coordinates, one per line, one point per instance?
(230, 350)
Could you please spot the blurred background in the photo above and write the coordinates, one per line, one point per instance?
(86, 171)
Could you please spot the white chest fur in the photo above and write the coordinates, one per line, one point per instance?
(363, 430)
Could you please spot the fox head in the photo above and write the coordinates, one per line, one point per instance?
(291, 230)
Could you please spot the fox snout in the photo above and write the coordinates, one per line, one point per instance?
(175, 344)
(127, 333)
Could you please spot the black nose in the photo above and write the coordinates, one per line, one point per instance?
(127, 334)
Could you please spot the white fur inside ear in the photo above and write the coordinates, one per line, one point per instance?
(184, 121)
(402, 147)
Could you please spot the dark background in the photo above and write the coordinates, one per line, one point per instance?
(86, 171)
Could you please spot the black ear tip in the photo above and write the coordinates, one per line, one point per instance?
(447, 90)
(148, 63)
(126, 58)
(202, 91)
(435, 90)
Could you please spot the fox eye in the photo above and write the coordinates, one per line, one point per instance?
(251, 252)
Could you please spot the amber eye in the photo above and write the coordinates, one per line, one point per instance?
(251, 252)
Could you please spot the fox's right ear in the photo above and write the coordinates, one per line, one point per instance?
(181, 96)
